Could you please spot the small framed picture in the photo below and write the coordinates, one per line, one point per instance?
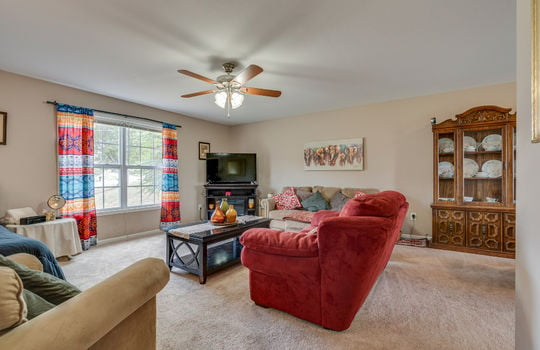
(204, 147)
(3, 128)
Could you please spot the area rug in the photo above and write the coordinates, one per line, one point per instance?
(415, 242)
(425, 299)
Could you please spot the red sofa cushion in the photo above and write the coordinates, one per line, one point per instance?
(322, 214)
(384, 204)
(278, 242)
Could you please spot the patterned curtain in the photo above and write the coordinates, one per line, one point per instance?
(170, 196)
(76, 168)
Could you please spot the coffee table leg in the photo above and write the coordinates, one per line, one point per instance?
(203, 263)
(168, 243)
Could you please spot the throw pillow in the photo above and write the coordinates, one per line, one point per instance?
(338, 201)
(12, 306)
(303, 194)
(315, 202)
(36, 305)
(359, 194)
(13, 216)
(52, 289)
(287, 200)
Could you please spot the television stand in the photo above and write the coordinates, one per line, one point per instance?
(242, 195)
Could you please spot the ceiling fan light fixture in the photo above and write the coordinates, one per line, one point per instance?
(220, 99)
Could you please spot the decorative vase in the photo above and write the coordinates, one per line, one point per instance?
(217, 216)
(231, 214)
(224, 205)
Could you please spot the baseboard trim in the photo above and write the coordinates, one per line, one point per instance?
(128, 237)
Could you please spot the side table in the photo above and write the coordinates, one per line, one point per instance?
(60, 236)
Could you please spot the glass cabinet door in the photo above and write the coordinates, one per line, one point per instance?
(483, 166)
(446, 166)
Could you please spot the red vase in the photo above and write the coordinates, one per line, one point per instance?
(218, 216)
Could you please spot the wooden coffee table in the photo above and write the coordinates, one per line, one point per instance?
(210, 248)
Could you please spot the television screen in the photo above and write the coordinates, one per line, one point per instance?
(231, 167)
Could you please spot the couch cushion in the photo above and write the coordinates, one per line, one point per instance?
(327, 192)
(338, 201)
(12, 305)
(276, 242)
(287, 200)
(382, 204)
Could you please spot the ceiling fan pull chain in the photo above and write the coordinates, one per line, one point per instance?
(229, 101)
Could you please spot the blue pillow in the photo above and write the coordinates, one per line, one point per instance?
(315, 202)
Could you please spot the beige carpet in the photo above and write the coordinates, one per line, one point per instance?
(425, 299)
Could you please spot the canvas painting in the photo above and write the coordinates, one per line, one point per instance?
(334, 155)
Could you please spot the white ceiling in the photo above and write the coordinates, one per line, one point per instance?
(321, 54)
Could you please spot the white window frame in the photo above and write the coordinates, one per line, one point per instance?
(126, 123)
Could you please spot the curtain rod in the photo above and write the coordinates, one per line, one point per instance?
(119, 114)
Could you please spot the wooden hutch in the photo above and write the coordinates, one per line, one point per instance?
(474, 182)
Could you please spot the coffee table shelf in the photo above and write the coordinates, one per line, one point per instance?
(209, 250)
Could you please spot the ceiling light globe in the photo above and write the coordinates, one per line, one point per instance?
(236, 100)
(220, 98)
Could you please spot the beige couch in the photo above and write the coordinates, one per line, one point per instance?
(279, 220)
(118, 313)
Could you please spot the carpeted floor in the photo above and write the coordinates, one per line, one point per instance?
(425, 299)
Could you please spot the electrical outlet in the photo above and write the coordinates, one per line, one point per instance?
(412, 216)
(200, 206)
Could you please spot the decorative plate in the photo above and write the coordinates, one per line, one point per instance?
(469, 143)
(470, 167)
(446, 170)
(492, 142)
(446, 145)
(493, 168)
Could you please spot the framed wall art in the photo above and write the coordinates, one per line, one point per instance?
(204, 147)
(347, 154)
(3, 128)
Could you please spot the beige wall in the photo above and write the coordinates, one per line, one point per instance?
(528, 193)
(28, 161)
(397, 138)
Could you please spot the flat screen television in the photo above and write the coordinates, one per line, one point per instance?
(231, 168)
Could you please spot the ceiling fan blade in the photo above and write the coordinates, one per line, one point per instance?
(199, 93)
(197, 76)
(247, 74)
(262, 92)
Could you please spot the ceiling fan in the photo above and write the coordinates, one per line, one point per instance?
(229, 89)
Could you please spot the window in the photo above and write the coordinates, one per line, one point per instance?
(127, 165)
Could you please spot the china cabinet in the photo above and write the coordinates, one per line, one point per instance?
(474, 182)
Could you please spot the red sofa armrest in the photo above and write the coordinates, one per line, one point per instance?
(276, 242)
(322, 214)
(353, 251)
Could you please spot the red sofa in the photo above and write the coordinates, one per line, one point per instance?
(324, 277)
